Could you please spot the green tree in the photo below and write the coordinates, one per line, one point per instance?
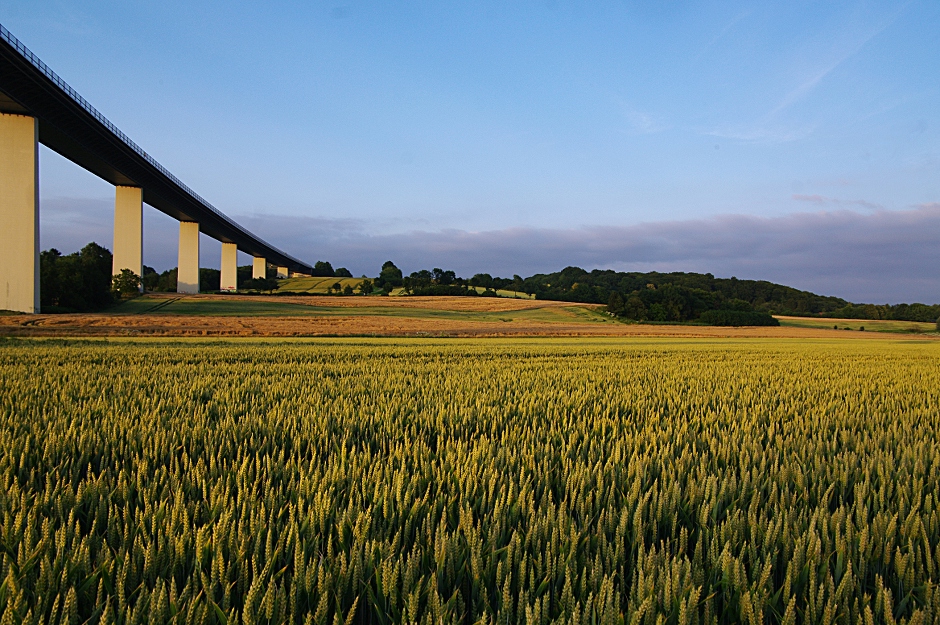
(78, 282)
(390, 276)
(126, 284)
(365, 287)
(323, 269)
(260, 284)
(615, 303)
(634, 308)
(209, 279)
(440, 276)
(150, 279)
(484, 280)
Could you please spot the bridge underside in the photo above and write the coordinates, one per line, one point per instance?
(68, 125)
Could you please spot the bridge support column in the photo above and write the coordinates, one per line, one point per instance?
(19, 213)
(283, 272)
(128, 231)
(187, 270)
(259, 268)
(229, 277)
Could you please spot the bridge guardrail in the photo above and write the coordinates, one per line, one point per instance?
(26, 53)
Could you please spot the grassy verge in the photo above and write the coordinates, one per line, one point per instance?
(271, 307)
(866, 325)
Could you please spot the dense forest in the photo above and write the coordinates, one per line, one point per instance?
(655, 296)
(676, 296)
(682, 296)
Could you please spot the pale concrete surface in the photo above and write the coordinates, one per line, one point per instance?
(19, 213)
(128, 231)
(282, 272)
(259, 268)
(229, 278)
(187, 274)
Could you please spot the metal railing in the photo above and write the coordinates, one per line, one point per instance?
(36, 62)
(7, 36)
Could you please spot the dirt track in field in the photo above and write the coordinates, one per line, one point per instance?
(365, 324)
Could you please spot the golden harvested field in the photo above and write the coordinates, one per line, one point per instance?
(465, 481)
(286, 316)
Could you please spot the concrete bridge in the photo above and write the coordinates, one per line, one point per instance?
(36, 106)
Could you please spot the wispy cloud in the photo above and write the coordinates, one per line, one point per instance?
(773, 126)
(831, 201)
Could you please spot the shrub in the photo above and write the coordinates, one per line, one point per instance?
(737, 318)
(126, 284)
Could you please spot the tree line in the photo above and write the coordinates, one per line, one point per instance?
(680, 296)
(82, 282)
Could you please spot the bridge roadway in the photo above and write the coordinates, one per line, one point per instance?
(71, 126)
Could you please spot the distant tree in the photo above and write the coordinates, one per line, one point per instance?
(126, 284)
(347, 290)
(737, 304)
(209, 279)
(342, 272)
(337, 287)
(49, 288)
(484, 280)
(167, 281)
(323, 269)
(615, 303)
(390, 276)
(657, 312)
(150, 279)
(419, 279)
(77, 282)
(243, 274)
(442, 277)
(634, 308)
(260, 284)
(365, 287)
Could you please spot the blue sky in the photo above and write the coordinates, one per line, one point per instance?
(354, 131)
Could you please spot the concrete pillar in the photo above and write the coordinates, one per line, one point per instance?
(229, 278)
(19, 213)
(187, 270)
(282, 272)
(128, 231)
(259, 268)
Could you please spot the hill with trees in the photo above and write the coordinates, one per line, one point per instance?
(655, 296)
(82, 282)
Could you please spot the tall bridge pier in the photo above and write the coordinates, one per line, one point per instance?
(128, 250)
(19, 213)
(37, 107)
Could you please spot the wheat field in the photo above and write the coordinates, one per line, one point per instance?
(469, 481)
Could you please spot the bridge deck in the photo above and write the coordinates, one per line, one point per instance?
(71, 126)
